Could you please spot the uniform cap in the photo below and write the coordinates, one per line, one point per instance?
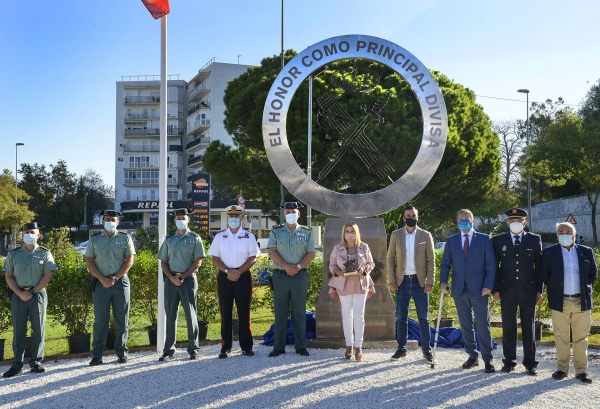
(32, 225)
(516, 213)
(234, 209)
(291, 205)
(110, 213)
(184, 211)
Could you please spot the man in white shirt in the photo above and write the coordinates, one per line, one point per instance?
(234, 251)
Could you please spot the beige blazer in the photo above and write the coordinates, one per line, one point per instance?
(424, 257)
(364, 266)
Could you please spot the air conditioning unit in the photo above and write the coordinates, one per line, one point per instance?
(120, 159)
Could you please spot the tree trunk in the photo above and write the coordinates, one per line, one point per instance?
(593, 203)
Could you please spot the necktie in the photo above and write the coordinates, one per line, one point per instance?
(466, 245)
(517, 243)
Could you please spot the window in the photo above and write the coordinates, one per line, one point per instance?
(139, 161)
(152, 194)
(141, 177)
(127, 194)
(172, 195)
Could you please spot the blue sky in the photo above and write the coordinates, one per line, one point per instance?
(60, 64)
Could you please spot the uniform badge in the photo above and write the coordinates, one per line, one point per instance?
(503, 248)
(225, 236)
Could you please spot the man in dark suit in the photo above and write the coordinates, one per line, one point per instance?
(569, 271)
(519, 285)
(470, 256)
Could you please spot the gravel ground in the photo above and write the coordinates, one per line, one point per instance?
(323, 380)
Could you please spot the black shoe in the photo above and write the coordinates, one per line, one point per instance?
(228, 351)
(400, 353)
(166, 357)
(12, 372)
(95, 361)
(559, 375)
(193, 356)
(470, 363)
(507, 368)
(223, 355)
(122, 359)
(428, 356)
(248, 353)
(583, 377)
(37, 369)
(302, 351)
(489, 367)
(532, 371)
(276, 352)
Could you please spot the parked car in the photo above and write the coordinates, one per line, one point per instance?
(82, 247)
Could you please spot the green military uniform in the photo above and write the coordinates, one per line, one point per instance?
(109, 255)
(292, 246)
(28, 269)
(180, 252)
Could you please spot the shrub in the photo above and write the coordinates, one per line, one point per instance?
(208, 301)
(5, 322)
(144, 286)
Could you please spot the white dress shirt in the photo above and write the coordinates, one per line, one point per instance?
(234, 249)
(409, 252)
(520, 235)
(571, 271)
(462, 239)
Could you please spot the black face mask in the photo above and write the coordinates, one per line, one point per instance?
(411, 222)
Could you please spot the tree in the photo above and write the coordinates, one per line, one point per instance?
(14, 211)
(94, 196)
(467, 175)
(512, 147)
(569, 148)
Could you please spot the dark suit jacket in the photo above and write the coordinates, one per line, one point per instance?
(518, 276)
(553, 275)
(478, 268)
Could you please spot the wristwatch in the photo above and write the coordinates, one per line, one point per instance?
(226, 271)
(31, 292)
(299, 266)
(114, 278)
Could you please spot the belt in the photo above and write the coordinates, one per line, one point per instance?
(277, 270)
(26, 288)
(410, 276)
(572, 295)
(176, 274)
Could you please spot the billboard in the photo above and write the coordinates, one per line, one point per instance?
(201, 200)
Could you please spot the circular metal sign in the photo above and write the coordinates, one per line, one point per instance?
(431, 150)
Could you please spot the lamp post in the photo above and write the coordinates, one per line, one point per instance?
(529, 215)
(281, 192)
(17, 159)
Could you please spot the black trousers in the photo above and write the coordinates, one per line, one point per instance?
(509, 331)
(241, 292)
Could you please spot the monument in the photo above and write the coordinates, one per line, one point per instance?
(360, 208)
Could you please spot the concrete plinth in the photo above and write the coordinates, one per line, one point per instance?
(380, 310)
(329, 343)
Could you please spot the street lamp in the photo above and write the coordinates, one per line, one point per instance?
(529, 216)
(17, 159)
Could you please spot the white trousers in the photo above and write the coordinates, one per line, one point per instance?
(353, 315)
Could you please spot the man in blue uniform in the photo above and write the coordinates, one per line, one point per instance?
(519, 285)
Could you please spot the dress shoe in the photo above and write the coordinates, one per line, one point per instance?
(400, 353)
(428, 356)
(37, 369)
(507, 368)
(12, 372)
(559, 375)
(193, 356)
(302, 351)
(276, 352)
(166, 357)
(489, 367)
(95, 361)
(470, 363)
(348, 353)
(248, 353)
(358, 354)
(532, 371)
(122, 359)
(583, 377)
(223, 355)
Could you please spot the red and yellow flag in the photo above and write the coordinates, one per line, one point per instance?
(157, 8)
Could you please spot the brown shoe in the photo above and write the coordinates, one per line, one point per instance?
(358, 354)
(348, 354)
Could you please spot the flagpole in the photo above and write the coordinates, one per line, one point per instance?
(162, 180)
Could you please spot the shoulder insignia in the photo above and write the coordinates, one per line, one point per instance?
(193, 233)
(43, 248)
(95, 234)
(15, 249)
(222, 231)
(305, 227)
(277, 226)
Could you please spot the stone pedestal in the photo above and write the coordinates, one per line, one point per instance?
(380, 310)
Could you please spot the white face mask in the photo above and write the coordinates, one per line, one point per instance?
(110, 226)
(30, 238)
(565, 240)
(516, 227)
(181, 224)
(291, 218)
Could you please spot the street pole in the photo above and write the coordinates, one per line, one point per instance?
(17, 159)
(281, 192)
(309, 159)
(529, 215)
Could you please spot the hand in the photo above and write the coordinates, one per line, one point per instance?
(486, 291)
(291, 269)
(233, 275)
(538, 298)
(444, 287)
(24, 295)
(176, 280)
(428, 288)
(107, 282)
(394, 286)
(497, 296)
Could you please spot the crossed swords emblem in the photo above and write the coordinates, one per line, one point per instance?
(353, 134)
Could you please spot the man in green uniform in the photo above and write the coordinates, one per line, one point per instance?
(109, 256)
(28, 269)
(180, 256)
(291, 247)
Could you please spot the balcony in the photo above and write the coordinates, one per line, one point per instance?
(175, 148)
(142, 100)
(196, 160)
(197, 107)
(198, 142)
(198, 93)
(171, 130)
(199, 126)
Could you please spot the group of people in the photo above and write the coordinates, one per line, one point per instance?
(511, 267)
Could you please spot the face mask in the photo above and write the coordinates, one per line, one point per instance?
(234, 222)
(181, 224)
(29, 238)
(110, 226)
(291, 218)
(565, 240)
(516, 227)
(411, 222)
(350, 237)
(465, 225)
